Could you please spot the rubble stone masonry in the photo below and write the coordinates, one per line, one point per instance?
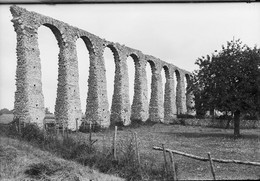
(29, 98)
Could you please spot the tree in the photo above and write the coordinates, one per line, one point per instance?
(47, 111)
(229, 81)
(5, 111)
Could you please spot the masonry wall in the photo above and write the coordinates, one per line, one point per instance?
(29, 99)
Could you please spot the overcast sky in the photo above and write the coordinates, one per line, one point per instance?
(176, 33)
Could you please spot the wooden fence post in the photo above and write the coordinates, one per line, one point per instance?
(206, 159)
(76, 125)
(165, 161)
(90, 134)
(44, 135)
(136, 148)
(174, 171)
(63, 134)
(137, 154)
(114, 143)
(211, 167)
(103, 143)
(19, 126)
(67, 132)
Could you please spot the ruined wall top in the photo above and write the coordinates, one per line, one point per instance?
(65, 33)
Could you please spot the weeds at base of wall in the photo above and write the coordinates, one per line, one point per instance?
(125, 166)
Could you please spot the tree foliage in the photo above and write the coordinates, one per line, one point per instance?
(5, 111)
(228, 80)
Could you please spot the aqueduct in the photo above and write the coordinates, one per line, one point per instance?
(29, 98)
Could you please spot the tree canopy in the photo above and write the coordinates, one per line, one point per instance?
(228, 80)
(6, 111)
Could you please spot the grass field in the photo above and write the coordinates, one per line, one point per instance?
(193, 140)
(198, 141)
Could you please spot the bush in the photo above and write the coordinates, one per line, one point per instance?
(250, 117)
(71, 148)
(225, 117)
(188, 116)
(32, 132)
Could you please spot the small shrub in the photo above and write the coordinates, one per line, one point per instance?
(32, 132)
(188, 116)
(82, 149)
(200, 117)
(250, 117)
(136, 123)
(225, 117)
(41, 170)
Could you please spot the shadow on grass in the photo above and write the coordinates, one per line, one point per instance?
(134, 124)
(213, 135)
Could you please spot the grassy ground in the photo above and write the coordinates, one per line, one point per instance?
(21, 161)
(194, 140)
(198, 141)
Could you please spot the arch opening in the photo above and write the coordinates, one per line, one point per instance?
(177, 90)
(149, 72)
(83, 56)
(132, 61)
(165, 76)
(49, 63)
(110, 58)
(55, 31)
(88, 44)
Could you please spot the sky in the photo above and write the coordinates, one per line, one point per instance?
(176, 33)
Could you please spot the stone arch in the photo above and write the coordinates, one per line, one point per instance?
(88, 44)
(84, 66)
(166, 71)
(132, 78)
(152, 64)
(165, 74)
(116, 61)
(149, 79)
(48, 40)
(57, 34)
(111, 72)
(165, 79)
(55, 31)
(135, 57)
(115, 52)
(178, 90)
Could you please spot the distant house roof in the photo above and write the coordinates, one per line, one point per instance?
(49, 116)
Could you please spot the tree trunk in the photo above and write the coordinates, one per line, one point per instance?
(236, 123)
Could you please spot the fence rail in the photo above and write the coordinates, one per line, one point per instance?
(207, 159)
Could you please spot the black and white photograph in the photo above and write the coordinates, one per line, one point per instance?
(121, 90)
